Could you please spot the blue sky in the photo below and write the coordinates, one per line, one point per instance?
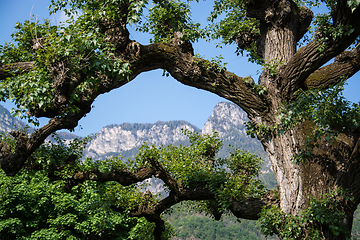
(150, 97)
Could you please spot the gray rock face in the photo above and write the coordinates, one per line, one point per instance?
(229, 121)
(226, 118)
(125, 139)
(7, 122)
(127, 136)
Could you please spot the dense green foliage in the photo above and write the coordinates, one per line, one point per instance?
(36, 208)
(31, 207)
(324, 212)
(196, 165)
(78, 44)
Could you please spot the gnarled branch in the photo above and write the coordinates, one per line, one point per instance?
(345, 65)
(310, 58)
(12, 162)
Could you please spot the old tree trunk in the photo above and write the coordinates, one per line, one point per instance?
(280, 24)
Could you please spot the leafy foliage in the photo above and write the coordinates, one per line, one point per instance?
(195, 165)
(31, 207)
(327, 108)
(68, 51)
(234, 23)
(167, 18)
(34, 207)
(323, 212)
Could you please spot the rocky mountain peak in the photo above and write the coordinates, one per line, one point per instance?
(128, 136)
(226, 117)
(7, 122)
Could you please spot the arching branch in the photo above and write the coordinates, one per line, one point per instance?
(176, 57)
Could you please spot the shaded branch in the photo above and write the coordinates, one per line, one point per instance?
(250, 208)
(11, 69)
(12, 161)
(122, 176)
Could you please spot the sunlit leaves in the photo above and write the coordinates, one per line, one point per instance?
(328, 108)
(32, 207)
(170, 17)
(60, 53)
(353, 4)
(234, 23)
(114, 10)
(196, 166)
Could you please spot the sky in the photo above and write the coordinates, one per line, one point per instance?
(150, 97)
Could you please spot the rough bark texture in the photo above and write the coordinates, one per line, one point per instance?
(281, 24)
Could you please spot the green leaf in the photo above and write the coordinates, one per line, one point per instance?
(353, 4)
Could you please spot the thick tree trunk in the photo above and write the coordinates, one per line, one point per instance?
(281, 150)
(332, 167)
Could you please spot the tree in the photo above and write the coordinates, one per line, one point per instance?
(310, 132)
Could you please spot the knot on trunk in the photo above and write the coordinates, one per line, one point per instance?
(38, 43)
(115, 33)
(272, 13)
(185, 46)
(246, 39)
(21, 140)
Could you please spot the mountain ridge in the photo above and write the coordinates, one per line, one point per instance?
(125, 138)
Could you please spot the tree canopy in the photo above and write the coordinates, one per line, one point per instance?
(310, 132)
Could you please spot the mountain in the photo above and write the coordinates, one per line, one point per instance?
(126, 138)
(227, 119)
(7, 122)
